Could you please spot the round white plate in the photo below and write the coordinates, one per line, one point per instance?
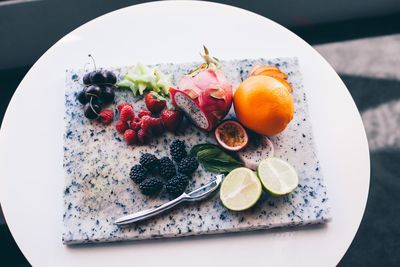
(31, 156)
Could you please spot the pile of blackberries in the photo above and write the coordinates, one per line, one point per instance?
(175, 175)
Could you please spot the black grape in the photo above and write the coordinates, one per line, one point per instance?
(81, 97)
(98, 77)
(91, 111)
(87, 79)
(93, 91)
(110, 77)
(107, 94)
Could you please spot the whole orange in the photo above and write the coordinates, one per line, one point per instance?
(263, 104)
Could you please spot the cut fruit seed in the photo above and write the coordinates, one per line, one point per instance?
(191, 110)
(231, 135)
(258, 148)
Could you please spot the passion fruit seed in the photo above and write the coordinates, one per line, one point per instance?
(231, 135)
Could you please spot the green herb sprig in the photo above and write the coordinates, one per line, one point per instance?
(214, 159)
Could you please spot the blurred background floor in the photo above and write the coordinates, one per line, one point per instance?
(370, 68)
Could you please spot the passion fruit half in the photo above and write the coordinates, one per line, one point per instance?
(231, 135)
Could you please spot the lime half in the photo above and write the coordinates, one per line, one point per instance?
(240, 189)
(277, 176)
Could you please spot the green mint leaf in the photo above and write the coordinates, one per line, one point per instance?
(214, 159)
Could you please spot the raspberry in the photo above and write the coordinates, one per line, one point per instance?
(144, 112)
(130, 136)
(152, 124)
(123, 104)
(136, 124)
(106, 116)
(143, 136)
(146, 122)
(121, 126)
(126, 113)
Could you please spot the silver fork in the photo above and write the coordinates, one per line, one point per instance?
(196, 195)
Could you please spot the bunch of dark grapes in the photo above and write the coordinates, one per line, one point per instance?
(98, 91)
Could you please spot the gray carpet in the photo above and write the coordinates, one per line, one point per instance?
(370, 69)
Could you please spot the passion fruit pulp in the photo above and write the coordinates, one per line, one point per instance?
(231, 135)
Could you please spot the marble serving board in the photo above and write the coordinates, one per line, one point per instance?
(97, 162)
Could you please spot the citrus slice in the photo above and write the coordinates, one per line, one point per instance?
(277, 176)
(240, 189)
(284, 83)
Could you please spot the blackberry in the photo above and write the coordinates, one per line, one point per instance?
(149, 161)
(151, 186)
(137, 173)
(188, 165)
(167, 168)
(178, 150)
(177, 184)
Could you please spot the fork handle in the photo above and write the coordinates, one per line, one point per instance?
(146, 214)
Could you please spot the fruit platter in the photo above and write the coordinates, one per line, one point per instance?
(140, 137)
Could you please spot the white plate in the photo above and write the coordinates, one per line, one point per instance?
(31, 173)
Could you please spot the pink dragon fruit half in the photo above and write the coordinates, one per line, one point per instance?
(204, 95)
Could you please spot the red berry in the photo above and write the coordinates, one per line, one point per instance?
(171, 119)
(154, 102)
(106, 116)
(156, 126)
(123, 104)
(130, 136)
(144, 112)
(136, 124)
(146, 122)
(143, 136)
(121, 126)
(126, 113)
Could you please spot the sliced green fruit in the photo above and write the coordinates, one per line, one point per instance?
(142, 78)
(240, 189)
(277, 176)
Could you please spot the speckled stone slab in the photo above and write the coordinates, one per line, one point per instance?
(97, 163)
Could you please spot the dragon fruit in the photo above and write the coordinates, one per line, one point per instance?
(258, 148)
(204, 95)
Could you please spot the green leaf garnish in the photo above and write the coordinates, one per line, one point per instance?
(214, 159)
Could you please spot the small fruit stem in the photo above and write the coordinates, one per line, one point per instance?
(208, 59)
(94, 62)
(85, 66)
(90, 103)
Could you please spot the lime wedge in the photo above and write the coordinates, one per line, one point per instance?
(240, 189)
(277, 176)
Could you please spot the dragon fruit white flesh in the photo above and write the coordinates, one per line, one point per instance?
(258, 148)
(205, 95)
